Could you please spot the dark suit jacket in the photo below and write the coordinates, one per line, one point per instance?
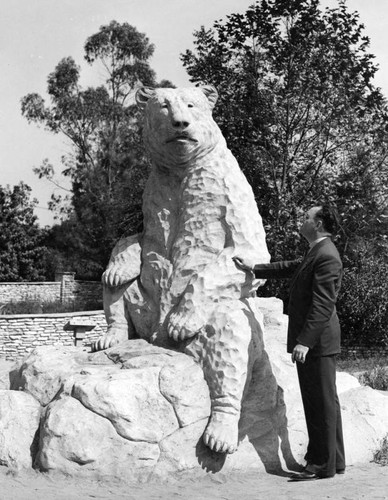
(315, 283)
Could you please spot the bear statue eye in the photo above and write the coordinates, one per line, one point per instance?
(164, 105)
(190, 105)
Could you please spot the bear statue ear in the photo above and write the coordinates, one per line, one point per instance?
(211, 93)
(142, 96)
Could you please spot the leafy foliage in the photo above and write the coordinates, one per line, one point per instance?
(377, 378)
(363, 302)
(22, 253)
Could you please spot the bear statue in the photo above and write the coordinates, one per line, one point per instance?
(176, 285)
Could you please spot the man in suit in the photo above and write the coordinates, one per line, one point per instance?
(314, 338)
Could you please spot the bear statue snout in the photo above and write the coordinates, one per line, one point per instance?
(180, 118)
(181, 124)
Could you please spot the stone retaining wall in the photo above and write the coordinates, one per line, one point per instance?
(82, 292)
(20, 333)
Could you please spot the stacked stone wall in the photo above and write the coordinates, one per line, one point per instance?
(83, 292)
(20, 334)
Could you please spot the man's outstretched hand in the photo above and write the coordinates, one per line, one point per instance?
(243, 263)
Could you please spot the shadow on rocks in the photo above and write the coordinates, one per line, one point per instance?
(210, 461)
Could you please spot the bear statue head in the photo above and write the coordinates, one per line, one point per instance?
(178, 126)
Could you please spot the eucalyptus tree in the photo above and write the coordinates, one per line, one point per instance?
(106, 165)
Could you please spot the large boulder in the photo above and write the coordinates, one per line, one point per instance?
(7, 368)
(365, 422)
(109, 414)
(19, 424)
(137, 411)
(76, 441)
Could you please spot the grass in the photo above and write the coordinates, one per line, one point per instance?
(354, 365)
(42, 307)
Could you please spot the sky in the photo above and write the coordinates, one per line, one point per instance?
(36, 34)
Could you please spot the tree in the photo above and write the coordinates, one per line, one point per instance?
(299, 110)
(22, 253)
(107, 167)
(65, 244)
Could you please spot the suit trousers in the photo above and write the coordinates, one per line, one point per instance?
(317, 381)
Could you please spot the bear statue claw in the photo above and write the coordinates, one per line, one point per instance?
(178, 333)
(183, 325)
(116, 276)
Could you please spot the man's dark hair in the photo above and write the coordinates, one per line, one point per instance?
(329, 217)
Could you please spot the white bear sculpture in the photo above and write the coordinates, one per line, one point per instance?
(176, 285)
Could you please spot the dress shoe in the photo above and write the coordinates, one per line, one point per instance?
(340, 471)
(304, 476)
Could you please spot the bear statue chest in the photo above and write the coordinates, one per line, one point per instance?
(185, 214)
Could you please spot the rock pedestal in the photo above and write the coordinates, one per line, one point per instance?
(136, 412)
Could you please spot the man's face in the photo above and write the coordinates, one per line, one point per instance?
(310, 225)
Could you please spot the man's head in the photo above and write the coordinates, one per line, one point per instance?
(319, 221)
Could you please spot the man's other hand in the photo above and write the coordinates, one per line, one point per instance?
(299, 353)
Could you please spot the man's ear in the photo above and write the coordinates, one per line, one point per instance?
(142, 95)
(211, 93)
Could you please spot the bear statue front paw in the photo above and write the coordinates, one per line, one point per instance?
(117, 275)
(111, 338)
(184, 324)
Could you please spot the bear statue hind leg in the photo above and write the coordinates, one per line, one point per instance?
(227, 349)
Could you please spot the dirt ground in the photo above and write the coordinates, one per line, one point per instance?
(364, 481)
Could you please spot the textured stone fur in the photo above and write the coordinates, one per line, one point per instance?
(176, 285)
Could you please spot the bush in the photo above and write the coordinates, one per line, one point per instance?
(377, 378)
(381, 455)
(362, 305)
